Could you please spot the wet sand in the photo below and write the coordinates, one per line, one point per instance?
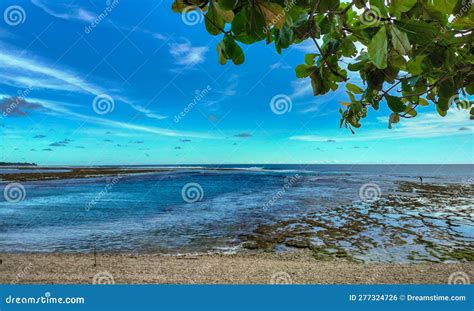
(67, 172)
(242, 268)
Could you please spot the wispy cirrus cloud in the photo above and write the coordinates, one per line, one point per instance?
(61, 110)
(65, 10)
(27, 72)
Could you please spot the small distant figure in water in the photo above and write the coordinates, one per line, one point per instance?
(421, 180)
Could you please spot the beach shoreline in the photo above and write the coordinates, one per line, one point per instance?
(241, 268)
(36, 173)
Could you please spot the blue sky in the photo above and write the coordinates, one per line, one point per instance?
(144, 87)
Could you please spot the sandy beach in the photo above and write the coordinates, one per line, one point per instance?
(259, 268)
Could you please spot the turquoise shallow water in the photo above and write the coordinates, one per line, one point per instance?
(152, 212)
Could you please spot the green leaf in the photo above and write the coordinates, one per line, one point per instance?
(325, 5)
(228, 49)
(249, 25)
(395, 104)
(394, 118)
(443, 103)
(238, 57)
(348, 47)
(221, 53)
(423, 102)
(378, 49)
(414, 66)
(273, 13)
(213, 21)
(400, 41)
(410, 111)
(354, 88)
(418, 31)
(443, 6)
(301, 71)
(401, 6)
(309, 58)
(227, 4)
(233, 51)
(441, 112)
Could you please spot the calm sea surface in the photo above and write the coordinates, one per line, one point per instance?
(382, 213)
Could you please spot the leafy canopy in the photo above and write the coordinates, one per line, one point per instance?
(408, 53)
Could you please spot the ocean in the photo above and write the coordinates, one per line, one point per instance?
(365, 213)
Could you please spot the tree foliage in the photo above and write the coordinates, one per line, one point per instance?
(408, 53)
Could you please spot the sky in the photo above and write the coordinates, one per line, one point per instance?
(104, 82)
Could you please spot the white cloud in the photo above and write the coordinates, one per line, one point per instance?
(148, 112)
(65, 11)
(27, 72)
(307, 46)
(187, 55)
(428, 125)
(59, 109)
(279, 65)
(301, 88)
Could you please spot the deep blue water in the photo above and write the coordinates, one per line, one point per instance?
(148, 213)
